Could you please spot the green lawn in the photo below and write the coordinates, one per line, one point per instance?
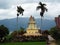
(24, 43)
(58, 42)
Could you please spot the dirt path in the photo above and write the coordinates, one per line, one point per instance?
(52, 43)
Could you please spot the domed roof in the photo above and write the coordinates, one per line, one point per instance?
(32, 18)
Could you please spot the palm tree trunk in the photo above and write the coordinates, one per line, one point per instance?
(41, 22)
(17, 25)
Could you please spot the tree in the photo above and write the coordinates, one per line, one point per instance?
(18, 37)
(22, 31)
(13, 34)
(55, 33)
(3, 32)
(43, 9)
(46, 32)
(20, 10)
(45, 35)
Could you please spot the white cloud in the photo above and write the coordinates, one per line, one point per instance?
(53, 10)
(8, 13)
(5, 4)
(30, 9)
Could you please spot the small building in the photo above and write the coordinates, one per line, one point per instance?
(32, 29)
(57, 20)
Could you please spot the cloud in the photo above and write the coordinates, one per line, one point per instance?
(5, 4)
(8, 8)
(53, 10)
(8, 13)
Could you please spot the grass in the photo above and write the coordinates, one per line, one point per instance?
(58, 42)
(24, 43)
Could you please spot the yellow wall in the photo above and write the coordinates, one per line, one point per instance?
(32, 31)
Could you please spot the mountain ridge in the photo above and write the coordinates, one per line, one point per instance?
(11, 24)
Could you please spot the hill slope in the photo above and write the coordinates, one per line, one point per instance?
(23, 22)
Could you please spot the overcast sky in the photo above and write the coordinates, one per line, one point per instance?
(8, 8)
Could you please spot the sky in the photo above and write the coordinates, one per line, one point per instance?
(8, 8)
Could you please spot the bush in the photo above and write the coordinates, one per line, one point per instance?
(55, 33)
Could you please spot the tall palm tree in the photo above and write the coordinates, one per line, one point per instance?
(43, 9)
(20, 10)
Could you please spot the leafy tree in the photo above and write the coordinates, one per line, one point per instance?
(18, 35)
(22, 31)
(3, 32)
(55, 32)
(19, 32)
(13, 34)
(45, 34)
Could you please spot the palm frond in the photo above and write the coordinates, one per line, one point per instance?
(40, 3)
(38, 7)
(44, 4)
(46, 9)
(20, 10)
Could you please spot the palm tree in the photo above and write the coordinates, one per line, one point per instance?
(43, 9)
(20, 10)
